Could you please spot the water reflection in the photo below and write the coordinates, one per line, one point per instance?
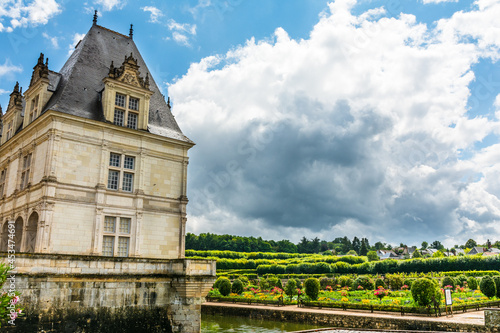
(217, 323)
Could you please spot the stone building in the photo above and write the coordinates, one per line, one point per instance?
(91, 159)
(93, 199)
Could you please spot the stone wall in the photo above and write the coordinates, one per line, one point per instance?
(341, 320)
(68, 293)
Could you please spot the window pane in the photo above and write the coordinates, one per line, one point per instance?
(132, 120)
(118, 120)
(114, 160)
(120, 100)
(113, 178)
(108, 245)
(123, 246)
(125, 225)
(128, 179)
(109, 223)
(129, 162)
(133, 104)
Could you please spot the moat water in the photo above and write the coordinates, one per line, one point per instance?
(217, 323)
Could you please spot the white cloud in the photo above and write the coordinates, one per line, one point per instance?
(24, 13)
(76, 38)
(181, 32)
(437, 1)
(8, 68)
(3, 91)
(52, 40)
(356, 130)
(154, 12)
(108, 5)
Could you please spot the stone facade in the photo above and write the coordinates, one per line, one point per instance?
(92, 161)
(62, 289)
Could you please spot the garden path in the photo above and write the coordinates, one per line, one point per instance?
(471, 317)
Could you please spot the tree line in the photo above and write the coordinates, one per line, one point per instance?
(339, 245)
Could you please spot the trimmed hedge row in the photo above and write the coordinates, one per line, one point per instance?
(389, 266)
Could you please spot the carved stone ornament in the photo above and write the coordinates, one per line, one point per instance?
(40, 70)
(129, 73)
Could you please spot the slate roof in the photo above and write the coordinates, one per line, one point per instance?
(79, 82)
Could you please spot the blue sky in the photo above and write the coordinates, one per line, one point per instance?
(366, 118)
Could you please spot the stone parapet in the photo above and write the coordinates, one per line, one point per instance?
(60, 289)
(59, 264)
(492, 318)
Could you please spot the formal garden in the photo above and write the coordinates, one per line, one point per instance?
(410, 286)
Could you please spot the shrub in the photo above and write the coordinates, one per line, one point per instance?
(461, 280)
(272, 281)
(488, 287)
(224, 286)
(472, 283)
(324, 281)
(244, 279)
(237, 287)
(364, 281)
(263, 284)
(408, 282)
(291, 288)
(345, 281)
(298, 283)
(448, 281)
(379, 283)
(218, 281)
(395, 281)
(496, 279)
(312, 288)
(372, 256)
(423, 290)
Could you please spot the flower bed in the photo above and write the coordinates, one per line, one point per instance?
(368, 300)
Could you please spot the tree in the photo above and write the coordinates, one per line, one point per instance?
(356, 244)
(364, 248)
(470, 243)
(487, 286)
(424, 290)
(379, 246)
(315, 245)
(286, 246)
(424, 245)
(346, 244)
(437, 245)
(312, 287)
(372, 256)
(291, 288)
(417, 254)
(323, 246)
(438, 254)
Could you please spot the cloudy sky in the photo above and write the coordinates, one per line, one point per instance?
(367, 118)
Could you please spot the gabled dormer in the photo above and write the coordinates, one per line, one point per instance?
(38, 92)
(13, 118)
(126, 95)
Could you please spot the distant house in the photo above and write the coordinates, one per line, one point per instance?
(459, 252)
(476, 250)
(387, 254)
(429, 252)
(491, 252)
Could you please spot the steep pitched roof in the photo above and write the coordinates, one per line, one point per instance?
(80, 83)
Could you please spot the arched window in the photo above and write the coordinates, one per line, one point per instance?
(18, 234)
(31, 231)
(4, 241)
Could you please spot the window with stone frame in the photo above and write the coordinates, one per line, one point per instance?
(116, 236)
(121, 172)
(126, 111)
(33, 109)
(25, 170)
(10, 129)
(3, 176)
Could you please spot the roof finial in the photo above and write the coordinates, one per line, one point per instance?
(95, 17)
(47, 62)
(146, 82)
(131, 32)
(168, 101)
(16, 87)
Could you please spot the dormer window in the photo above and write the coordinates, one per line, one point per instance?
(33, 109)
(9, 129)
(126, 111)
